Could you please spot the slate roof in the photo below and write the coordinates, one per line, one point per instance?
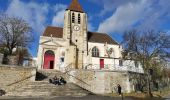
(75, 6)
(54, 31)
(92, 36)
(100, 38)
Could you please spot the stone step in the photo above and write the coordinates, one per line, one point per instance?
(45, 75)
(42, 87)
(28, 93)
(46, 84)
(46, 89)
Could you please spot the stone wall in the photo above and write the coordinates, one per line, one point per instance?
(13, 60)
(101, 81)
(83, 78)
(12, 75)
(1, 57)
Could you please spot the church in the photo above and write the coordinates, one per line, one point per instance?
(73, 46)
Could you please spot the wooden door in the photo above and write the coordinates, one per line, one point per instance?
(101, 63)
(49, 60)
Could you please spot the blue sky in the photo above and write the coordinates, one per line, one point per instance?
(109, 16)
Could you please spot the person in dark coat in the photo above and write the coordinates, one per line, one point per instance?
(119, 88)
(62, 80)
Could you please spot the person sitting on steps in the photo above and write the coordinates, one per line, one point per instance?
(57, 81)
(54, 80)
(62, 80)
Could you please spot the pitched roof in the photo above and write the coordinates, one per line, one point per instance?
(100, 38)
(54, 31)
(92, 36)
(75, 6)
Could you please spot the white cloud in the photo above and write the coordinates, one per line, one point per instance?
(33, 13)
(90, 27)
(124, 17)
(110, 5)
(58, 19)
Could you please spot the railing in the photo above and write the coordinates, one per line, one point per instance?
(80, 82)
(113, 67)
(21, 80)
(14, 85)
(68, 68)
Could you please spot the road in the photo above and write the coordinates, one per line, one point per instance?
(167, 97)
(92, 97)
(89, 97)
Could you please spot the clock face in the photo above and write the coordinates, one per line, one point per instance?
(76, 27)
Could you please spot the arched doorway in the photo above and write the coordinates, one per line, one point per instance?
(49, 57)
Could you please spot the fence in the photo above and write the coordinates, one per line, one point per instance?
(113, 67)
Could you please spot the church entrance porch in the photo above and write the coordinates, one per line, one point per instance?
(49, 60)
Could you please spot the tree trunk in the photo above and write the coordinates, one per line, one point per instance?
(149, 87)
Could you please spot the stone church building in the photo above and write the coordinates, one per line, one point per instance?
(75, 47)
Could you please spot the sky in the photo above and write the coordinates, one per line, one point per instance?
(112, 17)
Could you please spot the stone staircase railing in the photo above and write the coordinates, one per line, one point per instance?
(68, 68)
(18, 83)
(79, 82)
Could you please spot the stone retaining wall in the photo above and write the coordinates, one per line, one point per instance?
(1, 57)
(100, 82)
(12, 75)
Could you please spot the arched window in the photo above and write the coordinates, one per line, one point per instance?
(73, 18)
(95, 52)
(79, 19)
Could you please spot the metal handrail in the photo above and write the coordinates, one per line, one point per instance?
(21, 80)
(113, 67)
(81, 80)
(68, 68)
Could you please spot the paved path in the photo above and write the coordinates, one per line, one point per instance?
(91, 97)
(167, 97)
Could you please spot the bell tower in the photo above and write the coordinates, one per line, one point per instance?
(75, 31)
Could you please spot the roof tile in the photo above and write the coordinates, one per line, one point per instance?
(54, 31)
(92, 36)
(75, 6)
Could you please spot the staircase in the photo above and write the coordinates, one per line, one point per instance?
(43, 88)
(48, 74)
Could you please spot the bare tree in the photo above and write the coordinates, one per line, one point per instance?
(150, 48)
(14, 32)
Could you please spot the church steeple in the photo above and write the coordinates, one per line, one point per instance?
(75, 6)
